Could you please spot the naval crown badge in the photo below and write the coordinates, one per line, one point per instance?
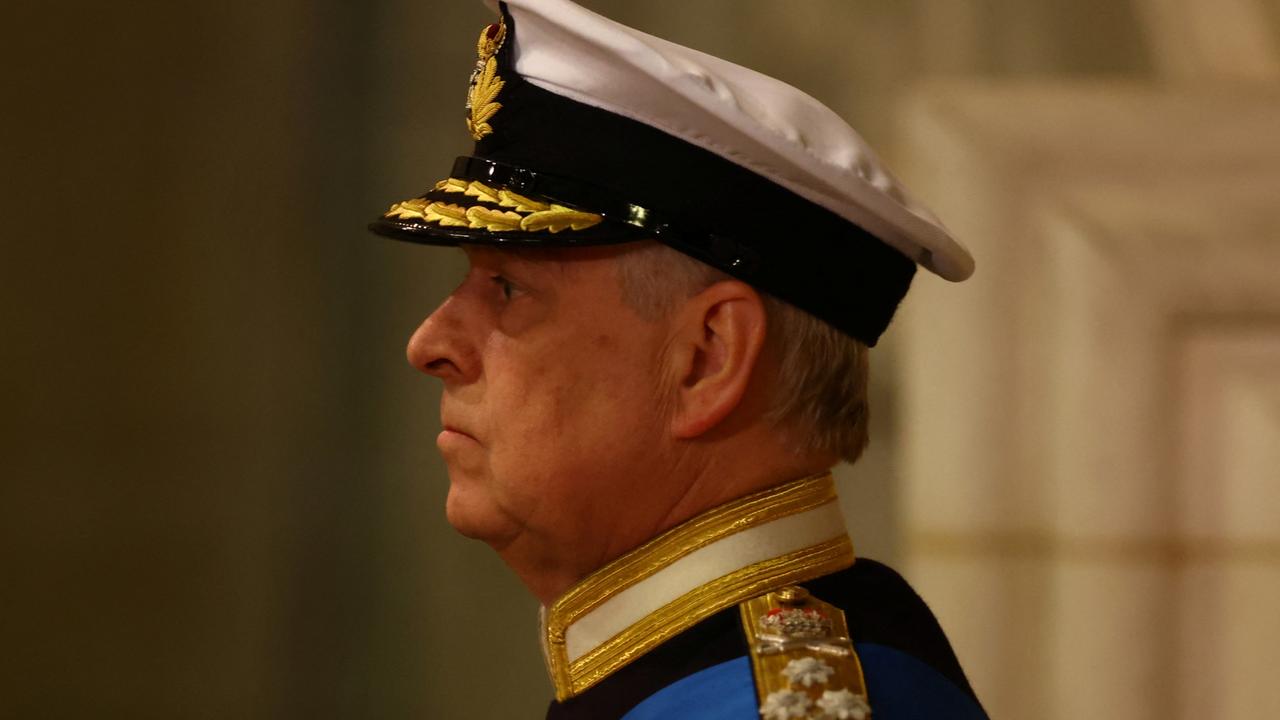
(482, 93)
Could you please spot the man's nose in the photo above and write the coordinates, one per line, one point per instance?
(439, 346)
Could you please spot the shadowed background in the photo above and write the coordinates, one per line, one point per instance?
(219, 491)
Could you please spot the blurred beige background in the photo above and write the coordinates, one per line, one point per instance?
(219, 494)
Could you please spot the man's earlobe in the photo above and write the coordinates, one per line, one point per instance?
(719, 337)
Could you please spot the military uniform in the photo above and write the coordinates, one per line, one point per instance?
(588, 132)
(755, 609)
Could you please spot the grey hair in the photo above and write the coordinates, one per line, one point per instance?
(820, 397)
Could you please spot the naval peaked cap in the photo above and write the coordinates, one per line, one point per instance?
(591, 132)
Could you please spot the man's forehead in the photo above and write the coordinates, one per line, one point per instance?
(557, 259)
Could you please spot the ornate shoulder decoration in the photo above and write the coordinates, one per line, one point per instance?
(482, 96)
(804, 662)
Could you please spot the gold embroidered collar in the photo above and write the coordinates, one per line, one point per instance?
(787, 534)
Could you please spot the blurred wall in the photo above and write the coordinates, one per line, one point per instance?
(193, 487)
(1089, 429)
(219, 495)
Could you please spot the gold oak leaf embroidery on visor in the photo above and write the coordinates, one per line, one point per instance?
(496, 220)
(482, 95)
(518, 213)
(558, 218)
(432, 212)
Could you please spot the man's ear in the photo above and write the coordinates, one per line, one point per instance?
(714, 351)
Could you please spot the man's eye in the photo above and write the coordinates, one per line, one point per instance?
(505, 285)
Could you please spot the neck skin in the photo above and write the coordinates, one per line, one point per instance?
(686, 478)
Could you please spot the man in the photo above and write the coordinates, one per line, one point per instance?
(660, 349)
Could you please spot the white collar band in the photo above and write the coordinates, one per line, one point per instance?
(784, 535)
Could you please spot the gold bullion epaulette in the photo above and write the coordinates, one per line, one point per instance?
(803, 658)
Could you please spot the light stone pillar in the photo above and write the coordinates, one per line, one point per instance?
(1088, 427)
(1221, 40)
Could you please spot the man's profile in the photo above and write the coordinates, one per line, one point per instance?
(660, 349)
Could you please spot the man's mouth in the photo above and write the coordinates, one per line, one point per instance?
(453, 434)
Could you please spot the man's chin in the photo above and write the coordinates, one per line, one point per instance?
(477, 519)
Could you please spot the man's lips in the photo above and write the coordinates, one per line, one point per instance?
(455, 422)
(453, 433)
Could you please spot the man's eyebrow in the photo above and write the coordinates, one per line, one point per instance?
(537, 262)
(540, 259)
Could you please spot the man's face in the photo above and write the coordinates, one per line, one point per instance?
(550, 406)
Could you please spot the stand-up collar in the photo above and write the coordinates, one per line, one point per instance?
(787, 534)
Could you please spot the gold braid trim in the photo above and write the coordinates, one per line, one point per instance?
(758, 509)
(524, 213)
(698, 604)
